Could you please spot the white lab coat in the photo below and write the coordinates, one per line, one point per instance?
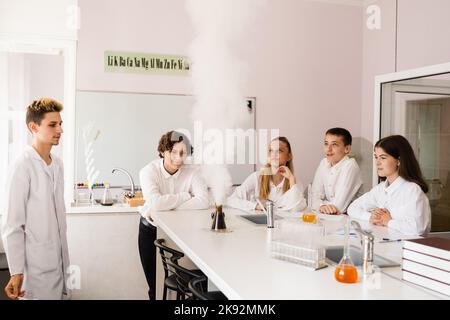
(34, 226)
(337, 185)
(407, 203)
(244, 196)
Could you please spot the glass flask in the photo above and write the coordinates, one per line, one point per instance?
(346, 271)
(107, 199)
(309, 215)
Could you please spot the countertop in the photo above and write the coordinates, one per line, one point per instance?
(98, 209)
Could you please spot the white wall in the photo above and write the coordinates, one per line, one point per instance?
(46, 76)
(416, 39)
(378, 58)
(138, 26)
(51, 18)
(423, 32)
(305, 66)
(304, 61)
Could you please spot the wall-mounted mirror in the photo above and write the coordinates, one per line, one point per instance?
(416, 104)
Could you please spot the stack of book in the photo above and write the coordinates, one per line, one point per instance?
(426, 262)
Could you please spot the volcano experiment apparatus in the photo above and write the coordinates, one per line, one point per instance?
(218, 217)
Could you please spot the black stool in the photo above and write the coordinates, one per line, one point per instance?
(197, 285)
(184, 276)
(170, 280)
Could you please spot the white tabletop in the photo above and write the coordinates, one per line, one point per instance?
(238, 262)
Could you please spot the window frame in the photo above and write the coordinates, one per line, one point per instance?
(427, 71)
(42, 45)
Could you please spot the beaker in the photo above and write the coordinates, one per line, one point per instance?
(346, 271)
(310, 217)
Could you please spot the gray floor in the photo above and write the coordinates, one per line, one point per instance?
(4, 276)
(445, 235)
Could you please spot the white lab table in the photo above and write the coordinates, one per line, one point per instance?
(238, 262)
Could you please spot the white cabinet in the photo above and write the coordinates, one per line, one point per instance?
(104, 248)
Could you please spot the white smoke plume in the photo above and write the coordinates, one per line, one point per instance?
(218, 77)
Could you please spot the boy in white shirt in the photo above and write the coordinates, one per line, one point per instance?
(338, 179)
(167, 184)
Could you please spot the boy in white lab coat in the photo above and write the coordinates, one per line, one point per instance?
(338, 179)
(34, 222)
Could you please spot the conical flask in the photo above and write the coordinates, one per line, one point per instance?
(218, 217)
(346, 271)
(107, 199)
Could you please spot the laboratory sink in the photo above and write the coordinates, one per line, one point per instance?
(334, 255)
(258, 218)
(128, 189)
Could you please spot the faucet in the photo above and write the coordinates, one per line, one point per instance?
(367, 240)
(132, 193)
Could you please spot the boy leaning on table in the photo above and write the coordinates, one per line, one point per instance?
(167, 184)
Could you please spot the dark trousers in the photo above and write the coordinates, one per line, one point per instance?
(147, 252)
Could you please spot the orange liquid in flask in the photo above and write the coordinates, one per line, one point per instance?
(346, 274)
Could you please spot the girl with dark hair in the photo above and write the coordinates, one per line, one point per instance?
(399, 201)
(275, 182)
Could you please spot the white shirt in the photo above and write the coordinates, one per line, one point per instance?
(34, 225)
(406, 202)
(337, 185)
(244, 196)
(163, 191)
